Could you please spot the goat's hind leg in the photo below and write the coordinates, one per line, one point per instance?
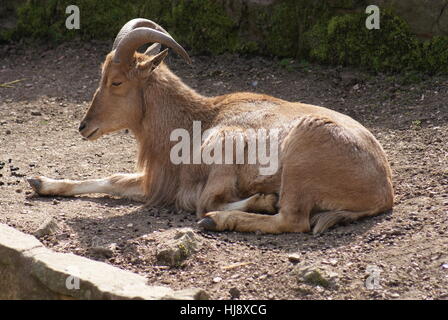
(234, 216)
(123, 185)
(293, 216)
(265, 203)
(248, 222)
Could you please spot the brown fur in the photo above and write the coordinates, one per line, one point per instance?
(332, 169)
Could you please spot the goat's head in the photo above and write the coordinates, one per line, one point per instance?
(117, 103)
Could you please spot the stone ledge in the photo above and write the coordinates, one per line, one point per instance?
(28, 270)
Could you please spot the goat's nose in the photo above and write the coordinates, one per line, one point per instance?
(82, 125)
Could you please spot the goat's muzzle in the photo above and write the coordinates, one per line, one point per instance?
(87, 132)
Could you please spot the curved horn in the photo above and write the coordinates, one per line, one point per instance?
(138, 37)
(133, 24)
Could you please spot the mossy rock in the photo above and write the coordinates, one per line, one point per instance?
(173, 252)
(316, 276)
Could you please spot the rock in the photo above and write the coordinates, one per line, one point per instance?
(424, 20)
(394, 295)
(234, 293)
(294, 257)
(348, 78)
(178, 248)
(102, 251)
(48, 227)
(332, 262)
(217, 279)
(36, 113)
(316, 276)
(31, 271)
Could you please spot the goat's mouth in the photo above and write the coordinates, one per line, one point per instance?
(91, 136)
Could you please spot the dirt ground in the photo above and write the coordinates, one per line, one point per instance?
(39, 116)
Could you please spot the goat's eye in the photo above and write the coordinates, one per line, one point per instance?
(116, 84)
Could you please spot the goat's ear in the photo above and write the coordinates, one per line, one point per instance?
(153, 49)
(146, 67)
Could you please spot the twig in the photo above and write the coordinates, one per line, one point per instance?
(236, 265)
(9, 84)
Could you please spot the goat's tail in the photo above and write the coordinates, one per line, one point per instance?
(323, 220)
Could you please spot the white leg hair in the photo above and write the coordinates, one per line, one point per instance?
(257, 202)
(123, 185)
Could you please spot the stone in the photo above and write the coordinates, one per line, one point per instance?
(425, 18)
(176, 249)
(102, 251)
(234, 293)
(30, 271)
(320, 276)
(294, 257)
(49, 227)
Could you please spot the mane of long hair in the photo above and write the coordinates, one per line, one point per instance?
(167, 104)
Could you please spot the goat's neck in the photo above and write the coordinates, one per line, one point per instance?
(169, 104)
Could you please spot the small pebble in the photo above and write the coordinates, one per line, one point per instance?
(294, 257)
(217, 279)
(234, 293)
(102, 251)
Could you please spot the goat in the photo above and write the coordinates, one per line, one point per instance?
(331, 168)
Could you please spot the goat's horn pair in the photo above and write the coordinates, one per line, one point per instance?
(133, 24)
(132, 36)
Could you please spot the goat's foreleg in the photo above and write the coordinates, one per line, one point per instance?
(123, 185)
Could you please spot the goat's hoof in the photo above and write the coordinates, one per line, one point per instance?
(208, 224)
(36, 184)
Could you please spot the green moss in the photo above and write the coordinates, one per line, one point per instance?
(282, 25)
(345, 40)
(434, 55)
(45, 20)
(204, 25)
(301, 29)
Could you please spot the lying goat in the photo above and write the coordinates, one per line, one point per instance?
(331, 169)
